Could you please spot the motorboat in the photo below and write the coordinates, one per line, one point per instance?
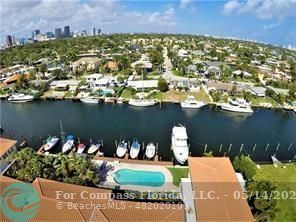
(51, 142)
(135, 149)
(238, 105)
(80, 148)
(180, 146)
(150, 150)
(89, 100)
(20, 98)
(94, 147)
(68, 144)
(142, 102)
(119, 100)
(121, 149)
(192, 103)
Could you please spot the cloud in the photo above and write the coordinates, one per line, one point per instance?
(262, 9)
(271, 26)
(184, 3)
(231, 6)
(20, 18)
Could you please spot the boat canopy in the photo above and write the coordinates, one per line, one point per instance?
(70, 137)
(180, 132)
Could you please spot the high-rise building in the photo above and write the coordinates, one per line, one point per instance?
(99, 31)
(49, 35)
(67, 31)
(94, 31)
(8, 40)
(58, 33)
(37, 31)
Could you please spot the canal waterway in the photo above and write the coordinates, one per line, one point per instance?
(223, 132)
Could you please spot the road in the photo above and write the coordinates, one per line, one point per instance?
(167, 65)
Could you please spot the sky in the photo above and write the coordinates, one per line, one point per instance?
(271, 21)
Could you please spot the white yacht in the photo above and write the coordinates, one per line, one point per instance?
(238, 105)
(89, 100)
(20, 98)
(142, 102)
(192, 103)
(180, 146)
(121, 149)
(50, 143)
(150, 150)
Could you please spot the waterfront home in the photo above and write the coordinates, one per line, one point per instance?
(64, 85)
(216, 177)
(143, 84)
(7, 146)
(85, 64)
(219, 86)
(94, 204)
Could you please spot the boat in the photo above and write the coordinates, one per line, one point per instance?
(20, 98)
(142, 102)
(121, 149)
(89, 100)
(80, 148)
(192, 103)
(180, 146)
(68, 144)
(51, 142)
(94, 147)
(238, 105)
(150, 150)
(119, 100)
(135, 149)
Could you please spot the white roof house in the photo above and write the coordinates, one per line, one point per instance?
(94, 77)
(139, 84)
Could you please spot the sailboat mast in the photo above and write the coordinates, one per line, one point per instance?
(62, 132)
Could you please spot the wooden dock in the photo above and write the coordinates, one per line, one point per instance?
(155, 161)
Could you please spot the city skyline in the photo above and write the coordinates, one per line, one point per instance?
(263, 21)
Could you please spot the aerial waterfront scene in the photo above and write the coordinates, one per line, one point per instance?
(148, 110)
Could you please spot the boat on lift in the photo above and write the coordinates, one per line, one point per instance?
(94, 147)
(180, 146)
(135, 149)
(80, 148)
(89, 100)
(121, 149)
(150, 150)
(51, 142)
(69, 144)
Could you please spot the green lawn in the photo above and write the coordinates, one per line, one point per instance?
(126, 94)
(178, 173)
(285, 178)
(257, 101)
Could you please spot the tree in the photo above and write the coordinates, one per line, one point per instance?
(59, 74)
(162, 85)
(245, 165)
(261, 198)
(42, 68)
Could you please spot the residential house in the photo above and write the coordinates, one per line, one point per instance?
(112, 66)
(143, 84)
(219, 86)
(241, 73)
(7, 146)
(85, 64)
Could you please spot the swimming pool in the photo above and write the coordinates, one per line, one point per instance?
(139, 177)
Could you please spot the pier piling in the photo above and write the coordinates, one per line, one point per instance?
(220, 149)
(290, 146)
(266, 148)
(241, 148)
(230, 145)
(254, 148)
(277, 148)
(205, 149)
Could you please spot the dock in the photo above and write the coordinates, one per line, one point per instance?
(155, 161)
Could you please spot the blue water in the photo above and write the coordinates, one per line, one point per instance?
(139, 177)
